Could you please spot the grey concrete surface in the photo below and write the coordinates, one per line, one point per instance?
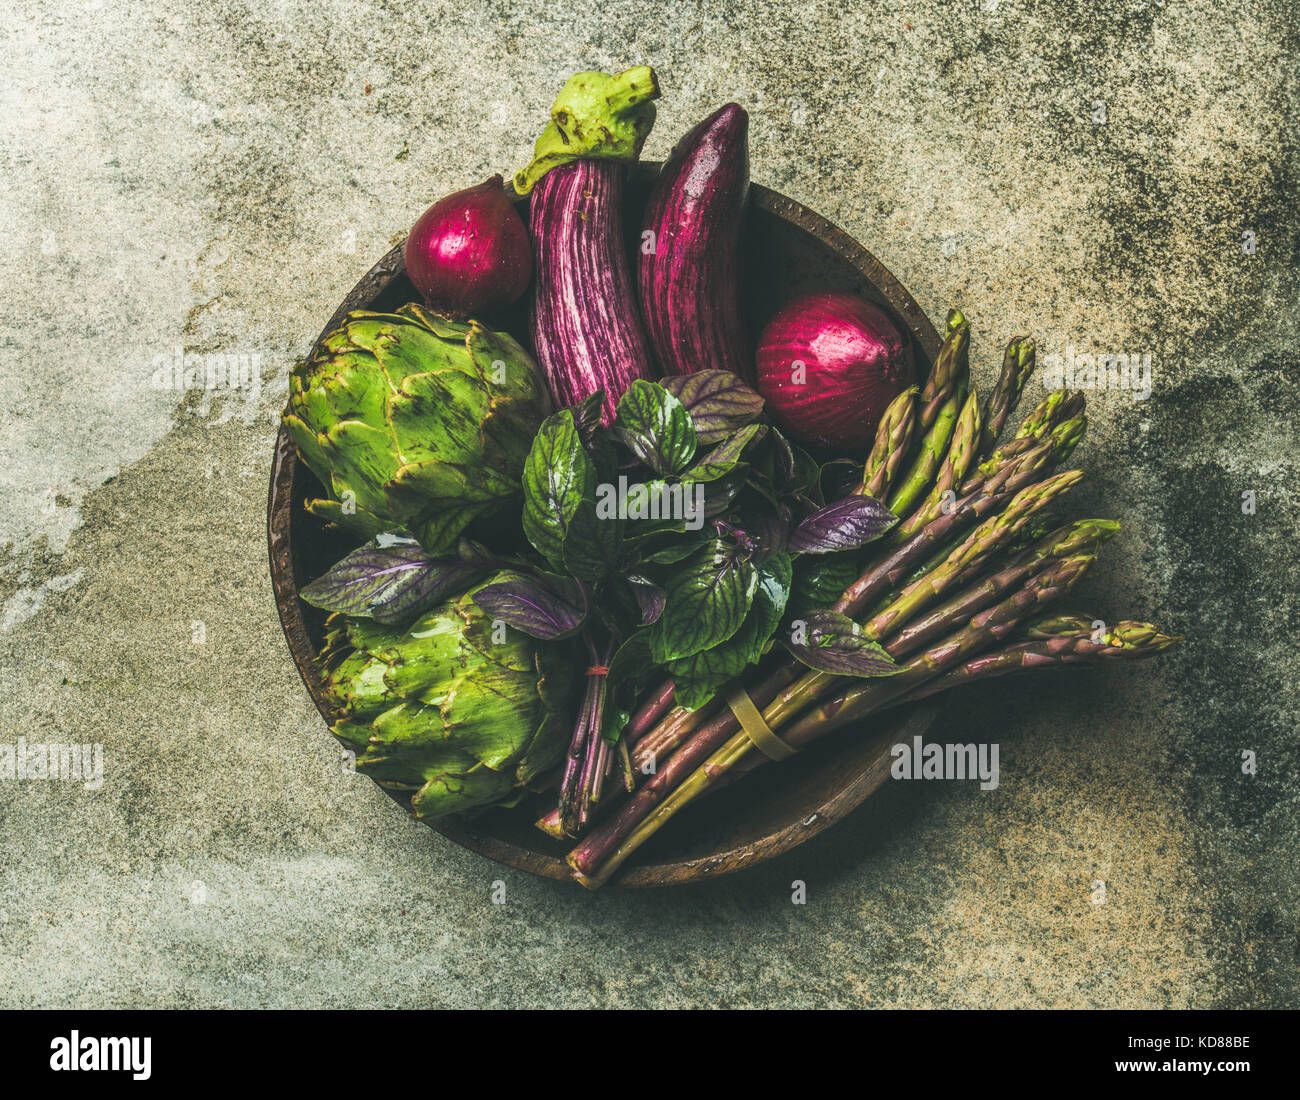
(1118, 176)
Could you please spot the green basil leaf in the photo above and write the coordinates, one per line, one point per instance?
(656, 427)
(820, 580)
(657, 507)
(593, 544)
(707, 600)
(558, 476)
(699, 677)
(670, 555)
(725, 458)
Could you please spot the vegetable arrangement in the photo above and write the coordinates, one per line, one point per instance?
(658, 556)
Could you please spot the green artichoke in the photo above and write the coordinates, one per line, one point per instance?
(416, 421)
(457, 709)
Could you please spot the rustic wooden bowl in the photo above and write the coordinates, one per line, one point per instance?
(789, 250)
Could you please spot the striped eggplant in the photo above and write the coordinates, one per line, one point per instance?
(585, 327)
(689, 268)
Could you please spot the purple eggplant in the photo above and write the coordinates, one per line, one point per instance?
(585, 326)
(689, 274)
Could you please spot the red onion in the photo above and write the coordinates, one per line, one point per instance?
(469, 252)
(829, 364)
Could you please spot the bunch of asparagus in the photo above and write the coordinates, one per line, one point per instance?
(955, 593)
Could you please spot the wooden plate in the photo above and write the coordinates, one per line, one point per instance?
(788, 250)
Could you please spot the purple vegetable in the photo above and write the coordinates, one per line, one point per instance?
(585, 327)
(469, 251)
(689, 275)
(829, 364)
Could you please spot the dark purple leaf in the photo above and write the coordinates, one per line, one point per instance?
(586, 415)
(718, 401)
(390, 579)
(545, 607)
(649, 598)
(844, 524)
(830, 642)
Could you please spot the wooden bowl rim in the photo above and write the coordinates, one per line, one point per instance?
(284, 471)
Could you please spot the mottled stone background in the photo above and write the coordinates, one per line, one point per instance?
(215, 176)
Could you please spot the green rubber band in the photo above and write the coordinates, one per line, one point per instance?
(758, 731)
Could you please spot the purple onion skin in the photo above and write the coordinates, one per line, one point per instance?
(585, 328)
(854, 363)
(689, 271)
(469, 252)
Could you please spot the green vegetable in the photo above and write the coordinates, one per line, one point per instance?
(415, 421)
(595, 115)
(456, 709)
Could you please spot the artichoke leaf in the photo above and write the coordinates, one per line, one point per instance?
(485, 713)
(361, 460)
(357, 520)
(454, 793)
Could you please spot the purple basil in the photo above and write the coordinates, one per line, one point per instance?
(650, 598)
(545, 607)
(391, 579)
(830, 642)
(718, 401)
(842, 525)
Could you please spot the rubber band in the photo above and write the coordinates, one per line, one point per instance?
(751, 722)
(598, 670)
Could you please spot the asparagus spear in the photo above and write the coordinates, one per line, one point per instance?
(952, 471)
(893, 435)
(939, 403)
(976, 547)
(1128, 640)
(988, 495)
(605, 850)
(1075, 538)
(1018, 363)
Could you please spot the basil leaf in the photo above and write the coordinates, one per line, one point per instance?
(593, 544)
(837, 478)
(558, 476)
(707, 600)
(655, 427)
(830, 642)
(391, 579)
(692, 694)
(658, 508)
(699, 677)
(845, 524)
(725, 458)
(631, 659)
(544, 607)
(820, 581)
(670, 555)
(717, 400)
(650, 598)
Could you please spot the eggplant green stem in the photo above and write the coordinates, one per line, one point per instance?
(595, 115)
